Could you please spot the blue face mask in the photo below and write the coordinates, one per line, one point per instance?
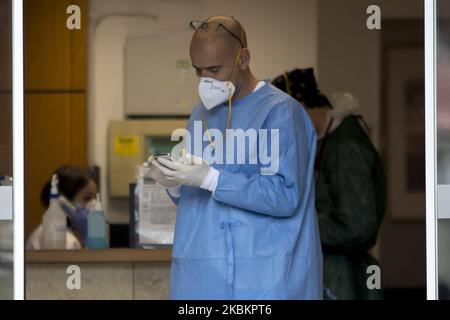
(78, 218)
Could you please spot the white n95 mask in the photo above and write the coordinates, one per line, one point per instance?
(213, 92)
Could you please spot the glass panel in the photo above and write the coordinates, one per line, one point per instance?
(131, 77)
(6, 226)
(443, 145)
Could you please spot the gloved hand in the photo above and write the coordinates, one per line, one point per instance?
(156, 174)
(78, 217)
(191, 171)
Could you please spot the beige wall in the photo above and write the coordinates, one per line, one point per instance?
(349, 55)
(349, 59)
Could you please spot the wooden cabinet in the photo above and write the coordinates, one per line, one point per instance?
(55, 57)
(55, 96)
(55, 134)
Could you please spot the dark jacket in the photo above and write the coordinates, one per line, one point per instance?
(350, 203)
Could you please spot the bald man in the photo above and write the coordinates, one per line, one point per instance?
(246, 227)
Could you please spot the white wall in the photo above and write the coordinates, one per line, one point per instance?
(281, 35)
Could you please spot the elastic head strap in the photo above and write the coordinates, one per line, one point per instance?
(232, 73)
(288, 83)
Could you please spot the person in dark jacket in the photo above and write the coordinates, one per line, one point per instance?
(350, 186)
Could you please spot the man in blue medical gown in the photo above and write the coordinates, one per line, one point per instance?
(245, 229)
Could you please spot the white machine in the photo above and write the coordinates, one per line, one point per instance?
(131, 142)
(159, 77)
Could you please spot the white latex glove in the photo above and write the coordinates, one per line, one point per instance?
(192, 171)
(154, 173)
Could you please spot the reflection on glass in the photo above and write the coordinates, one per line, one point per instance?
(443, 142)
(444, 258)
(6, 260)
(6, 226)
(443, 94)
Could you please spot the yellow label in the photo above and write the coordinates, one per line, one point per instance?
(126, 145)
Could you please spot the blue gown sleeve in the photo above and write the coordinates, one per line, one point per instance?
(280, 194)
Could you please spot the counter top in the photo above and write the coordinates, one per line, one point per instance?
(99, 255)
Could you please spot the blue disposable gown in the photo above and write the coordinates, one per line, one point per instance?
(256, 236)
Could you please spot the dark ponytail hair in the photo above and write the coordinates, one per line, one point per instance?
(301, 84)
(71, 180)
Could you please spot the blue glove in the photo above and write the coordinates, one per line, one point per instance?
(78, 218)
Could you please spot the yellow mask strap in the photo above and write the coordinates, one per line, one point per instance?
(288, 83)
(208, 134)
(232, 73)
(229, 94)
(229, 88)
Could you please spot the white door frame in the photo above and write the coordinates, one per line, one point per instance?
(430, 138)
(18, 149)
(430, 149)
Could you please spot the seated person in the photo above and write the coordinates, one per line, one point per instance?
(79, 187)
